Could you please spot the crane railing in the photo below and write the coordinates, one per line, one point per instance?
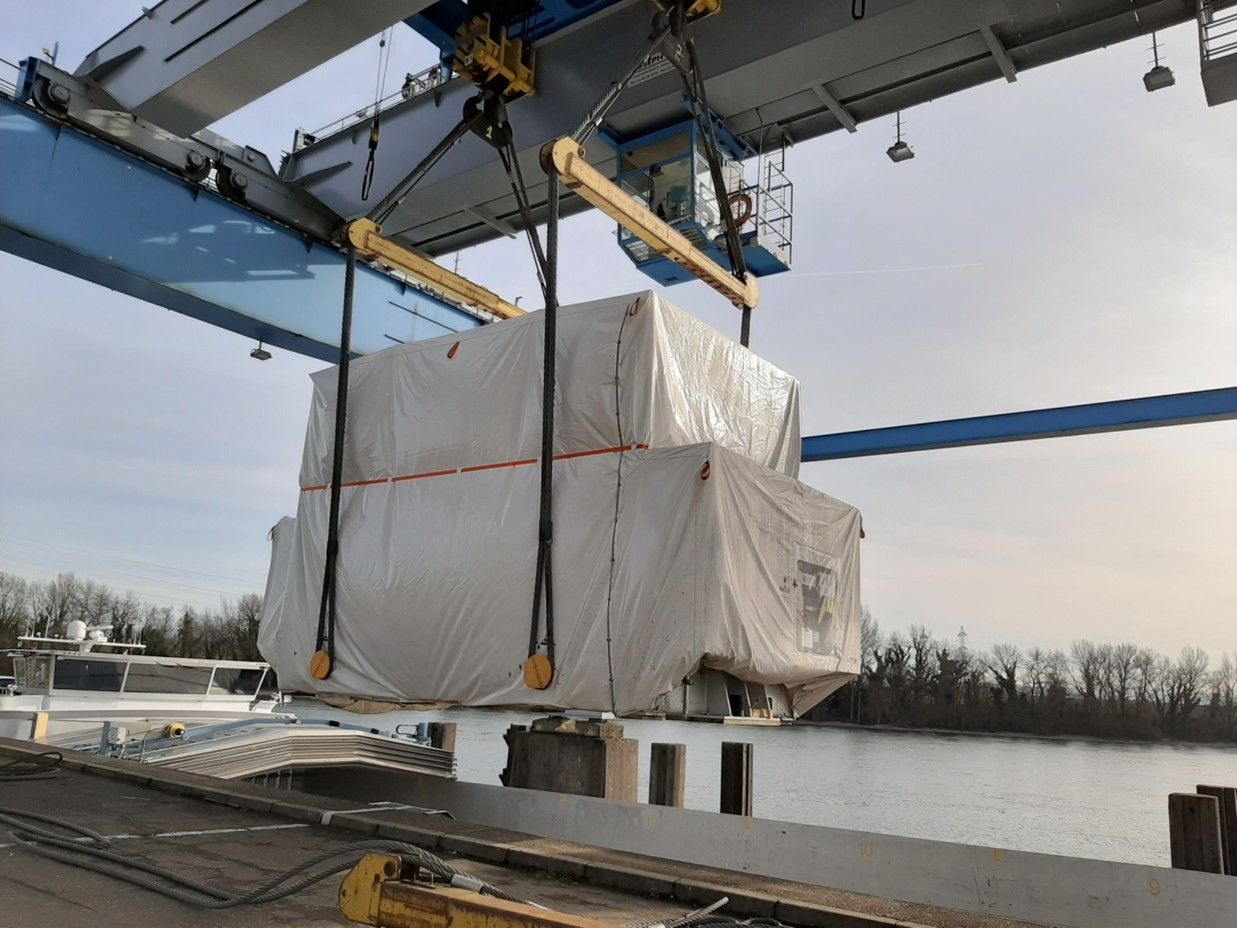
(1217, 29)
(414, 85)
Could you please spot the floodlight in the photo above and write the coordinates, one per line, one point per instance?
(260, 353)
(900, 151)
(1160, 76)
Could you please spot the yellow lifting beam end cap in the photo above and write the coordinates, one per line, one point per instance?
(538, 672)
(320, 665)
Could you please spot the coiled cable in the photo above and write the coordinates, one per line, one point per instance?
(80, 847)
(36, 767)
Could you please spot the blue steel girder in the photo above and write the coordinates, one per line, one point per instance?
(1087, 419)
(80, 206)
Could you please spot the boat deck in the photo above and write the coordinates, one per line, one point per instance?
(235, 835)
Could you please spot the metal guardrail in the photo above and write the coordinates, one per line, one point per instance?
(8, 87)
(775, 205)
(414, 85)
(1217, 29)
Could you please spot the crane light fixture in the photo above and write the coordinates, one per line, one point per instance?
(1160, 76)
(260, 353)
(899, 150)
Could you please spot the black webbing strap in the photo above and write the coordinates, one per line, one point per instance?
(326, 610)
(543, 581)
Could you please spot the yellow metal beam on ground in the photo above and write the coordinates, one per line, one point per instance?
(376, 892)
(567, 158)
(366, 237)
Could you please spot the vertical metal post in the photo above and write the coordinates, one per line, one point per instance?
(667, 775)
(745, 327)
(737, 768)
(323, 662)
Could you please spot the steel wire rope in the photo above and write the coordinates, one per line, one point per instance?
(515, 176)
(81, 847)
(32, 768)
(385, 43)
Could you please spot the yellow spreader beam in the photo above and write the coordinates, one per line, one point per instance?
(376, 892)
(366, 237)
(567, 158)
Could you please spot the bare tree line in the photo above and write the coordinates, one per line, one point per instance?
(1107, 690)
(46, 608)
(907, 679)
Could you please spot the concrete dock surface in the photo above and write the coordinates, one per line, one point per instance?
(237, 835)
(223, 847)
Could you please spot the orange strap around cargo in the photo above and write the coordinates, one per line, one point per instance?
(450, 472)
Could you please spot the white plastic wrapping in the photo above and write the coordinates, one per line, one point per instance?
(474, 398)
(721, 558)
(719, 562)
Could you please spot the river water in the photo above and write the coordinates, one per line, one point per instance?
(1082, 798)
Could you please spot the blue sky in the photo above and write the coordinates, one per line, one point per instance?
(1080, 240)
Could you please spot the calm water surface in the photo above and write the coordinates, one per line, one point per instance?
(1060, 797)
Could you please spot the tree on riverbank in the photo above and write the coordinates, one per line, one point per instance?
(46, 608)
(1106, 690)
(909, 679)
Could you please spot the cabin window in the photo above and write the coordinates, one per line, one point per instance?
(101, 676)
(235, 681)
(167, 678)
(31, 672)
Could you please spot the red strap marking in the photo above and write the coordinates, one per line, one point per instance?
(431, 473)
(478, 467)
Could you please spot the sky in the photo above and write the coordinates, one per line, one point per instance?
(1067, 238)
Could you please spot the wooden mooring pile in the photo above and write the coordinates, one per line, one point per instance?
(1202, 828)
(592, 758)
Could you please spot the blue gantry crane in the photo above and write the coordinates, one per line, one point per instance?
(110, 172)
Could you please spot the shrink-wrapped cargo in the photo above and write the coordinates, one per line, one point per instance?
(474, 398)
(719, 562)
(707, 554)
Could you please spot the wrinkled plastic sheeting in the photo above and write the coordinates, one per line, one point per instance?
(474, 398)
(718, 562)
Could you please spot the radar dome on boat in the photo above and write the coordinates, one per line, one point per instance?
(76, 630)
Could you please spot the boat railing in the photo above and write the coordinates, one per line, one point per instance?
(140, 676)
